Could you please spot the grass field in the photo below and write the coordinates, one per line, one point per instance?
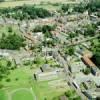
(22, 75)
(18, 93)
(45, 90)
(20, 3)
(3, 95)
(47, 6)
(22, 86)
(22, 94)
(25, 85)
(19, 87)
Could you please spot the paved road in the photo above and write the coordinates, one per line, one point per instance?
(82, 41)
(63, 38)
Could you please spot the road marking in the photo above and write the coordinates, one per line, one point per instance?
(29, 90)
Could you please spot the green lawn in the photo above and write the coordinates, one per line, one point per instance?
(22, 95)
(45, 90)
(3, 95)
(19, 79)
(22, 78)
(20, 3)
(49, 7)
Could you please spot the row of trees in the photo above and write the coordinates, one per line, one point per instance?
(96, 50)
(96, 59)
(92, 6)
(11, 41)
(90, 29)
(2, 0)
(25, 12)
(70, 94)
(46, 29)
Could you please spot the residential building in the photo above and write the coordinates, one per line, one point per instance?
(43, 76)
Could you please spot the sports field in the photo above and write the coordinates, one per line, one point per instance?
(18, 94)
(23, 86)
(22, 94)
(48, 89)
(19, 87)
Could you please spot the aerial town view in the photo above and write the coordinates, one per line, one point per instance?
(49, 49)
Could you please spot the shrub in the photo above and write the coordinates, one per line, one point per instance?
(8, 80)
(1, 86)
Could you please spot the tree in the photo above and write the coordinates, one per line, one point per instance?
(1, 86)
(44, 28)
(70, 93)
(80, 7)
(65, 7)
(71, 36)
(25, 12)
(12, 41)
(10, 30)
(9, 63)
(48, 28)
(4, 69)
(87, 71)
(96, 51)
(38, 28)
(2, 0)
(69, 51)
(77, 98)
(93, 5)
(8, 80)
(90, 30)
(96, 58)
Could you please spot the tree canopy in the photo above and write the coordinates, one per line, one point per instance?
(5, 67)
(44, 28)
(96, 58)
(25, 12)
(92, 6)
(2, 0)
(70, 51)
(12, 41)
(90, 30)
